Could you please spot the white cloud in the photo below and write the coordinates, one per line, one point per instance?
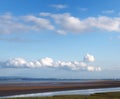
(47, 61)
(59, 6)
(9, 24)
(38, 23)
(59, 23)
(16, 62)
(50, 63)
(44, 14)
(61, 32)
(68, 23)
(108, 11)
(19, 24)
(104, 23)
(98, 69)
(89, 58)
(90, 68)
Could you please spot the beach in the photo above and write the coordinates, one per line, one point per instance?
(7, 89)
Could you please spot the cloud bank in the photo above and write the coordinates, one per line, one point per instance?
(50, 63)
(58, 23)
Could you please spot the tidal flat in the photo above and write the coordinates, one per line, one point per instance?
(108, 95)
(9, 90)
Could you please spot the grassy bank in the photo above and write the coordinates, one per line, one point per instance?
(109, 95)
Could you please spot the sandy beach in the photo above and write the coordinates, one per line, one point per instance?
(7, 89)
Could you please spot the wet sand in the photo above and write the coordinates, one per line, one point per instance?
(7, 89)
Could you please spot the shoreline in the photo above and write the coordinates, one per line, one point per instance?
(106, 95)
(41, 87)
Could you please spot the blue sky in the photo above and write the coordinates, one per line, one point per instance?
(60, 38)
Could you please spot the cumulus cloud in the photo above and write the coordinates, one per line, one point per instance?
(16, 62)
(19, 24)
(50, 63)
(38, 23)
(90, 68)
(47, 61)
(89, 58)
(69, 23)
(9, 24)
(58, 23)
(104, 23)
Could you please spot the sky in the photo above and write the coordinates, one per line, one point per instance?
(60, 38)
